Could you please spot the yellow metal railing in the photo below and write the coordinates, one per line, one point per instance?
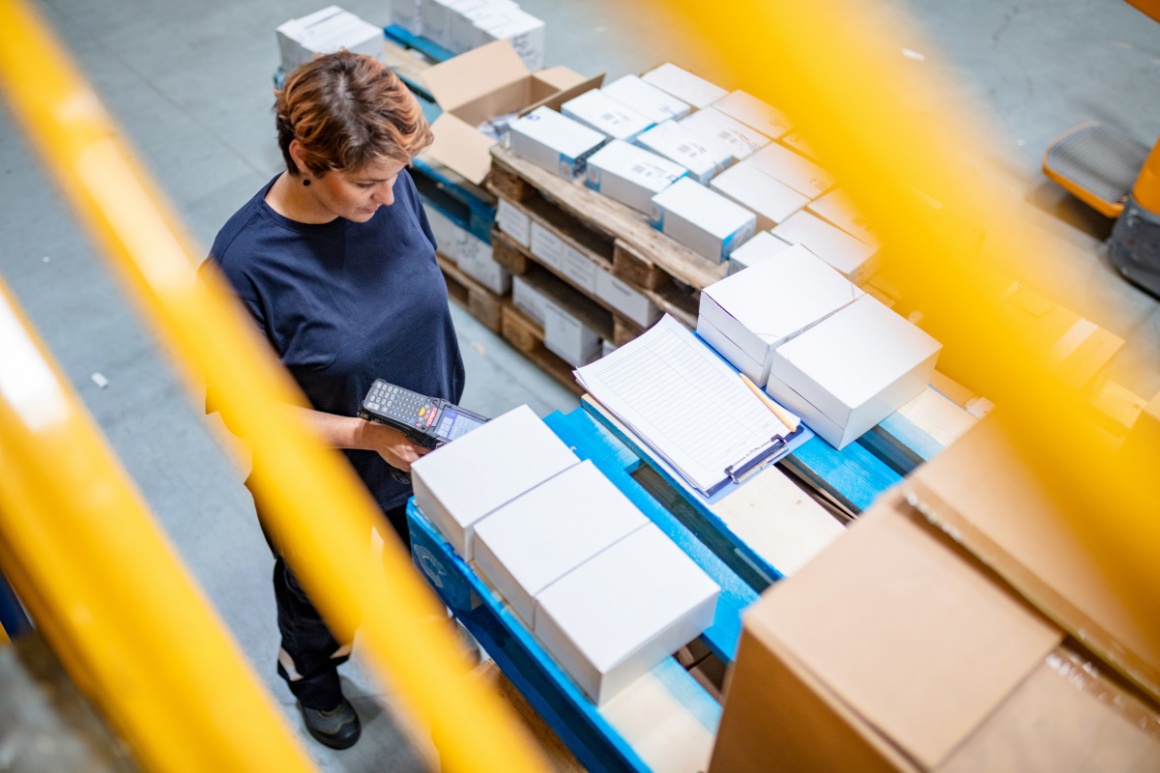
(296, 478)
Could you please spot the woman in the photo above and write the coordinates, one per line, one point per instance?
(335, 260)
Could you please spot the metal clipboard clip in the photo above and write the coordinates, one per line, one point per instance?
(739, 473)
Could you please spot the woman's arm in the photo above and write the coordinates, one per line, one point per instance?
(355, 433)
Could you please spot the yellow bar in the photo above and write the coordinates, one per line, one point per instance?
(837, 70)
(111, 593)
(318, 507)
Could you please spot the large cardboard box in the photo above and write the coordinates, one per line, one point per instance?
(684, 85)
(555, 142)
(630, 174)
(762, 246)
(853, 259)
(324, 32)
(523, 31)
(704, 221)
(658, 105)
(609, 116)
(852, 370)
(771, 200)
(481, 84)
(745, 317)
(529, 543)
(703, 157)
(742, 140)
(895, 650)
(752, 112)
(458, 484)
(616, 616)
(983, 491)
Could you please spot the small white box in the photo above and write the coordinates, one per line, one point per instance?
(762, 246)
(528, 299)
(612, 118)
(616, 616)
(853, 259)
(704, 221)
(324, 32)
(555, 142)
(408, 14)
(463, 34)
(742, 140)
(578, 268)
(475, 260)
(796, 142)
(772, 201)
(752, 112)
(514, 222)
(630, 174)
(837, 208)
(448, 235)
(458, 484)
(852, 370)
(626, 299)
(683, 85)
(798, 172)
(654, 103)
(573, 341)
(745, 317)
(534, 540)
(547, 246)
(702, 156)
(435, 17)
(524, 31)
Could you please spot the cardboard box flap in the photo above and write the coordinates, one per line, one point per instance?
(460, 147)
(903, 631)
(559, 78)
(469, 76)
(982, 493)
(557, 98)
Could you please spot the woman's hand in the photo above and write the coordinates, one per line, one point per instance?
(390, 444)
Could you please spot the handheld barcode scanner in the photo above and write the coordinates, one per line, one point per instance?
(426, 421)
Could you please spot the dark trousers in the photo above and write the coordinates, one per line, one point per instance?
(310, 654)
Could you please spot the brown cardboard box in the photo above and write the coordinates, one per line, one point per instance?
(486, 82)
(894, 650)
(980, 491)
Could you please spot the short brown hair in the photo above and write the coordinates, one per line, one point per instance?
(346, 110)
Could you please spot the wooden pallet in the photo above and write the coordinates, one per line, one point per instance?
(647, 258)
(527, 336)
(479, 301)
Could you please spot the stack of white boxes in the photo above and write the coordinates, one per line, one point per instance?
(462, 25)
(469, 252)
(324, 32)
(819, 345)
(601, 587)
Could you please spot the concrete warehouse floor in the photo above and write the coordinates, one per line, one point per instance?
(190, 83)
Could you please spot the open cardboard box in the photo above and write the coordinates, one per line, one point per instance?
(486, 82)
(894, 649)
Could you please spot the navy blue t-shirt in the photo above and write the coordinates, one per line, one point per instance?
(344, 303)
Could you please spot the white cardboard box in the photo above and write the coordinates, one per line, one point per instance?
(684, 85)
(324, 32)
(630, 174)
(552, 250)
(751, 111)
(448, 235)
(554, 142)
(463, 30)
(745, 317)
(610, 117)
(514, 222)
(408, 14)
(742, 140)
(771, 200)
(475, 260)
(762, 246)
(654, 103)
(626, 299)
(836, 207)
(458, 484)
(524, 31)
(573, 341)
(616, 616)
(796, 171)
(704, 221)
(534, 540)
(853, 259)
(703, 157)
(528, 299)
(852, 370)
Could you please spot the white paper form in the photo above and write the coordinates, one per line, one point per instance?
(685, 402)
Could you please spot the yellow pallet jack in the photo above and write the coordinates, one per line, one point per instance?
(1119, 177)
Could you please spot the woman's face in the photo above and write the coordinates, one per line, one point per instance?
(357, 195)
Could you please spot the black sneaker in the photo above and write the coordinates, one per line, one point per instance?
(338, 728)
